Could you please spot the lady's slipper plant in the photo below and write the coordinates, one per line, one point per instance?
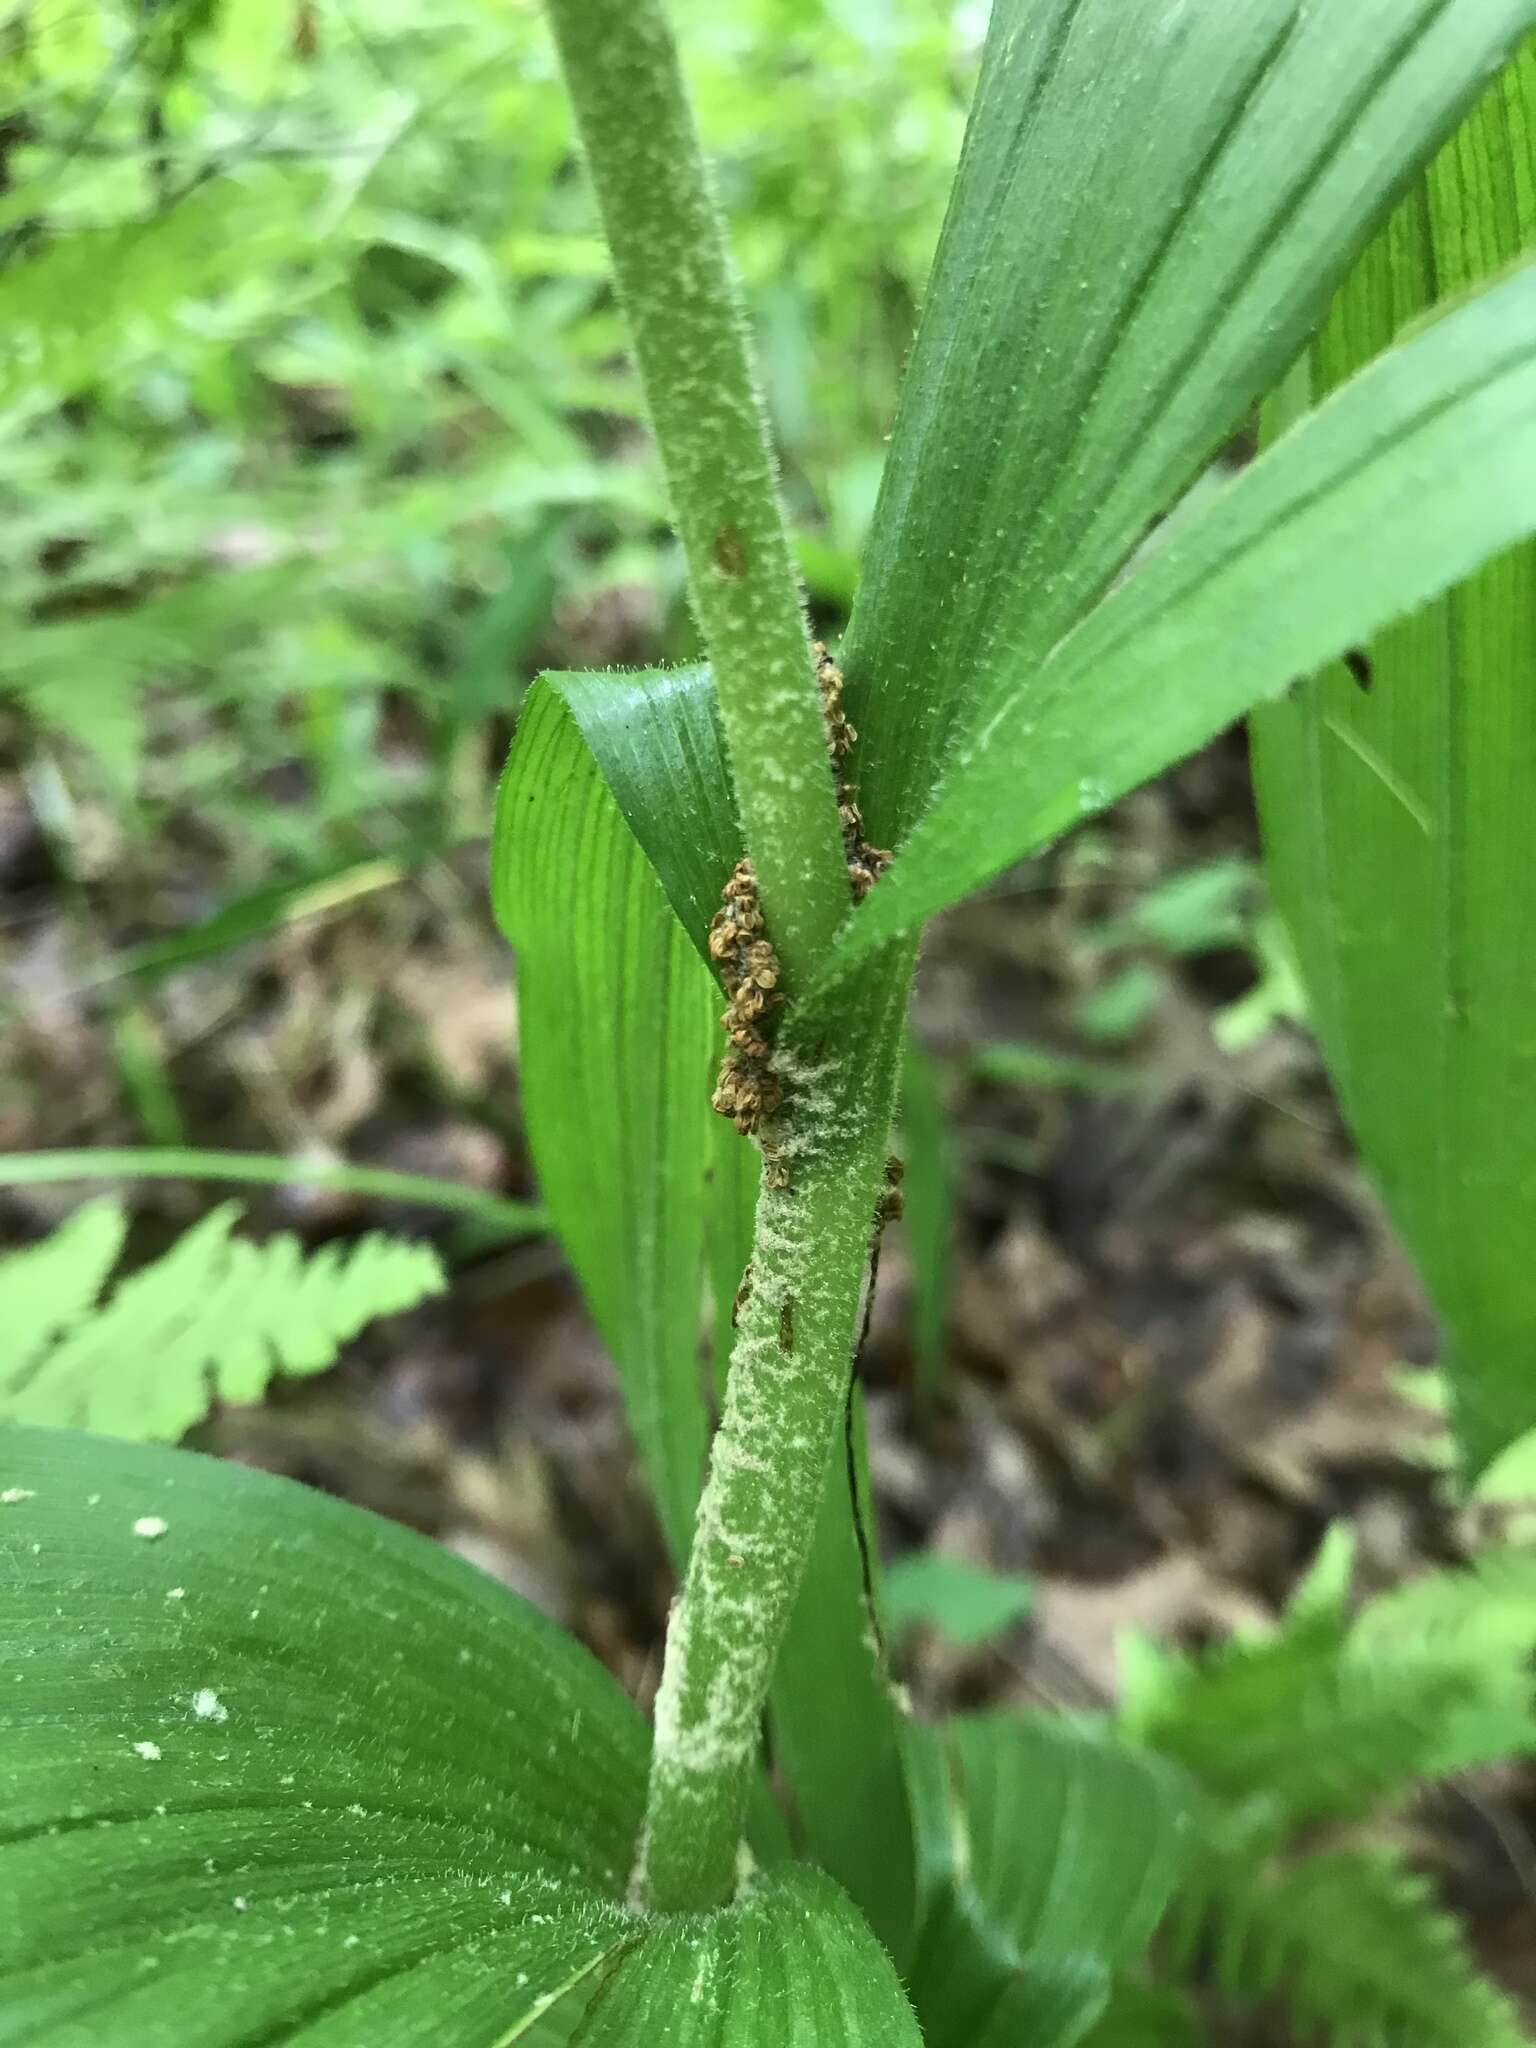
(275, 1771)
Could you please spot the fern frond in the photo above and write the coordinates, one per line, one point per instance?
(1484, 1612)
(1321, 1720)
(1317, 1729)
(47, 1288)
(1352, 1943)
(86, 297)
(1324, 1721)
(213, 1318)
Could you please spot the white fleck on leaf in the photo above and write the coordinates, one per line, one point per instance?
(150, 1526)
(150, 1751)
(207, 1705)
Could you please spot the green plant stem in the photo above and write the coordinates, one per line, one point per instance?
(679, 293)
(784, 1402)
(149, 1162)
(791, 1360)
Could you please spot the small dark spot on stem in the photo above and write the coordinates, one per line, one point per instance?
(730, 553)
(1359, 665)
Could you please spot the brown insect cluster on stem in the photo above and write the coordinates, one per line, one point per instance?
(866, 863)
(747, 1090)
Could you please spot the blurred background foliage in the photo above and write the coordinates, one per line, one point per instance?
(315, 428)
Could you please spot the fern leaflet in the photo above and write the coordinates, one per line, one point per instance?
(1321, 1720)
(1318, 1731)
(213, 1318)
(1353, 1943)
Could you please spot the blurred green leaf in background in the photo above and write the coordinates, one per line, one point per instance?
(309, 328)
(1395, 790)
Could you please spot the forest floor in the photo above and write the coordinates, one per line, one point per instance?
(1177, 1320)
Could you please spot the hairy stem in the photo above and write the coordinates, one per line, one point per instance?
(790, 1363)
(784, 1404)
(679, 293)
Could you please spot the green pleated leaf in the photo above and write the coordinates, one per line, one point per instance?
(1152, 209)
(791, 1965)
(1050, 1855)
(619, 1042)
(272, 1768)
(1396, 797)
(656, 736)
(1041, 2005)
(972, 1989)
(1408, 478)
(1076, 1842)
